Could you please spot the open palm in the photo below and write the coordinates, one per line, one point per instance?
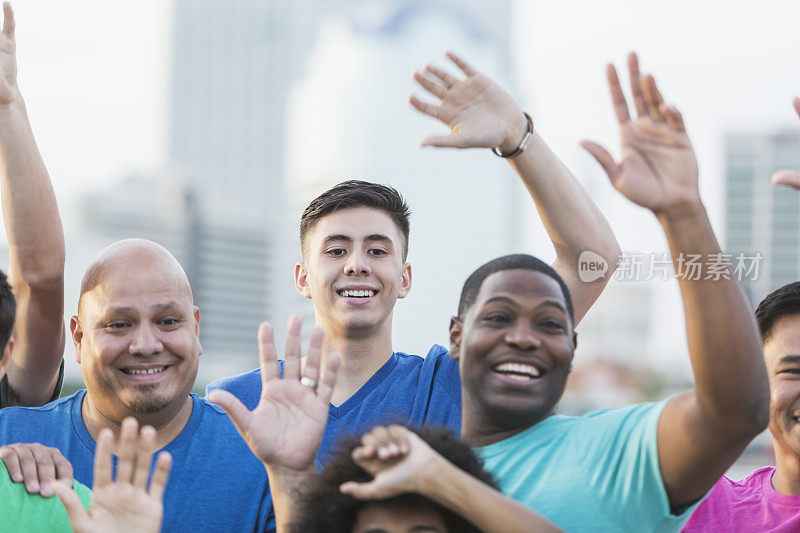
(125, 504)
(479, 112)
(658, 168)
(286, 427)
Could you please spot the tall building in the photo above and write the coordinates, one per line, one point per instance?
(350, 119)
(762, 220)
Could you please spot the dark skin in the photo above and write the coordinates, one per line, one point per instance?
(700, 432)
(519, 317)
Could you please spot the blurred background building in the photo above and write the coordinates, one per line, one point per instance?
(759, 217)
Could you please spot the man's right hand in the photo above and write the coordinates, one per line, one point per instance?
(790, 178)
(285, 429)
(37, 466)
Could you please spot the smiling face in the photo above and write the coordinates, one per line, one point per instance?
(136, 333)
(383, 517)
(353, 269)
(515, 347)
(782, 356)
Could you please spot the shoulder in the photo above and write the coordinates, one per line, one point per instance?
(233, 382)
(53, 409)
(628, 417)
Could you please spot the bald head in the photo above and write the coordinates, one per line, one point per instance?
(129, 257)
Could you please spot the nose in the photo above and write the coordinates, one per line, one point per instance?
(145, 341)
(523, 336)
(357, 264)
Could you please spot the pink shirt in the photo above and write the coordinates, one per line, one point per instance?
(747, 505)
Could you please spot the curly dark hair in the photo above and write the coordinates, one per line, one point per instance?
(323, 509)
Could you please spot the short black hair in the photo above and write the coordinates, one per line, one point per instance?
(356, 193)
(8, 312)
(508, 262)
(324, 509)
(778, 304)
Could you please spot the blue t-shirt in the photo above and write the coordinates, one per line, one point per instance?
(597, 472)
(215, 484)
(407, 389)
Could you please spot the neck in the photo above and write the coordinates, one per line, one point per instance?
(363, 353)
(168, 422)
(786, 479)
(479, 428)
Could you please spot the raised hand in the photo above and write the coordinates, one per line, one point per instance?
(125, 504)
(9, 91)
(790, 178)
(286, 427)
(658, 169)
(398, 460)
(36, 465)
(479, 112)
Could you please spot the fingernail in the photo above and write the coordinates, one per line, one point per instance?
(17, 478)
(32, 487)
(46, 490)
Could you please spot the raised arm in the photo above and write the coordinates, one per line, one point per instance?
(790, 178)
(703, 431)
(286, 427)
(481, 114)
(35, 239)
(401, 462)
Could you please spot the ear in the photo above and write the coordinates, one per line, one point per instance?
(405, 281)
(456, 328)
(574, 340)
(301, 279)
(196, 313)
(77, 336)
(6, 356)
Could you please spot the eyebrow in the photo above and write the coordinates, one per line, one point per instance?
(507, 300)
(789, 359)
(340, 237)
(161, 307)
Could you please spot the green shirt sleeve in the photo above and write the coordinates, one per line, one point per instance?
(23, 512)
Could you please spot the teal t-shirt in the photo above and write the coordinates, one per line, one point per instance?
(598, 472)
(23, 512)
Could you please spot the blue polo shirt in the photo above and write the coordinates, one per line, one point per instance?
(407, 389)
(216, 483)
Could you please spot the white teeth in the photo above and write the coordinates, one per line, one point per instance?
(147, 371)
(518, 368)
(358, 294)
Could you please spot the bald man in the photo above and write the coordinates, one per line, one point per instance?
(136, 338)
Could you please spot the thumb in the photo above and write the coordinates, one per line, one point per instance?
(236, 410)
(443, 141)
(78, 517)
(365, 491)
(790, 178)
(603, 157)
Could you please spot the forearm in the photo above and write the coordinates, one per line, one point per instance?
(723, 339)
(571, 218)
(30, 212)
(484, 507)
(285, 487)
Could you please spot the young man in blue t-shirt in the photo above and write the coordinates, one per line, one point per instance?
(643, 467)
(354, 241)
(136, 338)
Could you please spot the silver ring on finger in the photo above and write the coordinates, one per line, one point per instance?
(308, 382)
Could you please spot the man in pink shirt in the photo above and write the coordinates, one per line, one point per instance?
(768, 500)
